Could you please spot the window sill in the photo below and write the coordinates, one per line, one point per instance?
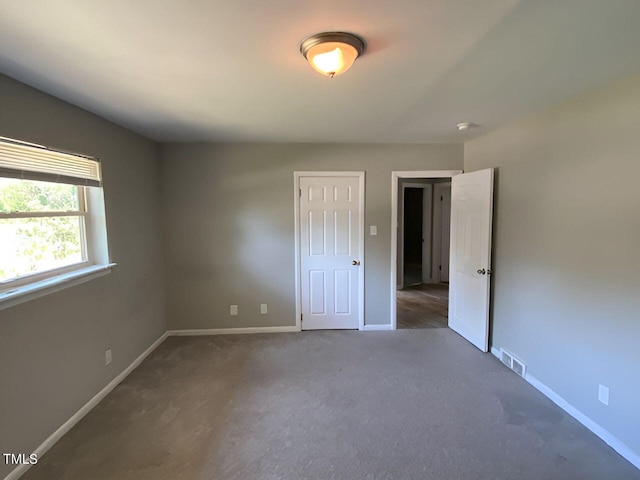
(34, 290)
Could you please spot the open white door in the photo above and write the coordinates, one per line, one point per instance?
(470, 263)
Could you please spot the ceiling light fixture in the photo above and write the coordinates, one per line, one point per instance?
(332, 53)
(463, 127)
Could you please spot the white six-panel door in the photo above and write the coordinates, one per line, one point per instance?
(470, 262)
(330, 234)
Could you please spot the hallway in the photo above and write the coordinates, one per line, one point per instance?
(423, 306)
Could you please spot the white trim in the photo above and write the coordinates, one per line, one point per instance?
(296, 248)
(298, 273)
(614, 442)
(395, 177)
(86, 408)
(427, 233)
(34, 290)
(46, 214)
(438, 213)
(362, 254)
(231, 331)
(377, 328)
(42, 275)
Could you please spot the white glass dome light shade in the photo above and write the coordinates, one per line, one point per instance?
(332, 58)
(332, 54)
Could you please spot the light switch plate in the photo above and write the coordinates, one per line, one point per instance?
(603, 394)
(373, 230)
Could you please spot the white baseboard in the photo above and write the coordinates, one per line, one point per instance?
(376, 328)
(69, 424)
(610, 439)
(231, 331)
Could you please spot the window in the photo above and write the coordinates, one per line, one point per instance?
(51, 217)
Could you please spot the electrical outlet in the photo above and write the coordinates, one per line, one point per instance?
(107, 357)
(233, 311)
(603, 394)
(263, 308)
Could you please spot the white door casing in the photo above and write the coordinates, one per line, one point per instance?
(330, 224)
(427, 232)
(470, 256)
(441, 231)
(446, 232)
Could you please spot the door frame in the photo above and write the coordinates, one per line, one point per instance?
(395, 179)
(298, 273)
(427, 199)
(436, 274)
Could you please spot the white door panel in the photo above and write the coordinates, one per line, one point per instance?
(330, 213)
(470, 255)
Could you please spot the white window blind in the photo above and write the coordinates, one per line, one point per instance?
(34, 162)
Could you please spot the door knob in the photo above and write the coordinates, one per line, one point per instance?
(482, 271)
(355, 262)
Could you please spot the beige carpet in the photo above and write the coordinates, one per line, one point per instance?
(419, 404)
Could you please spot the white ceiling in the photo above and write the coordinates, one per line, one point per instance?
(230, 70)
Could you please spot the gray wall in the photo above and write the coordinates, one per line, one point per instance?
(229, 226)
(567, 236)
(52, 348)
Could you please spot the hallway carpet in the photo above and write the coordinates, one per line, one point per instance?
(420, 404)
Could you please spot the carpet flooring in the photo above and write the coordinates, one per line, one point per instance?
(423, 306)
(413, 404)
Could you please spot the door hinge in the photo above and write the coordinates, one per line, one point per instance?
(441, 198)
(301, 317)
(439, 267)
(300, 193)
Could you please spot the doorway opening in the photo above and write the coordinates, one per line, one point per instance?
(420, 280)
(422, 300)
